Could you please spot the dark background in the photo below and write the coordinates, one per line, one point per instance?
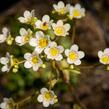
(92, 35)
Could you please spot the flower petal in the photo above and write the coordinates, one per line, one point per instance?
(61, 49)
(67, 52)
(59, 23)
(74, 47)
(59, 57)
(46, 18)
(4, 60)
(23, 32)
(33, 42)
(43, 90)
(54, 25)
(3, 105)
(39, 34)
(35, 67)
(40, 98)
(46, 51)
(55, 6)
(5, 30)
(61, 4)
(67, 27)
(22, 19)
(69, 61)
(27, 14)
(52, 44)
(38, 23)
(19, 40)
(106, 51)
(78, 6)
(27, 64)
(100, 54)
(78, 62)
(27, 55)
(5, 68)
(81, 54)
(39, 50)
(2, 38)
(45, 104)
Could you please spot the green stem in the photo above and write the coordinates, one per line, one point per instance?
(71, 88)
(24, 101)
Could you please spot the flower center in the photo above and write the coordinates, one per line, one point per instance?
(43, 42)
(73, 55)
(76, 13)
(44, 26)
(48, 96)
(54, 51)
(62, 10)
(59, 31)
(26, 39)
(105, 59)
(34, 60)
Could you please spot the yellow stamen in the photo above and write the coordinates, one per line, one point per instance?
(48, 96)
(105, 59)
(62, 11)
(34, 59)
(26, 39)
(54, 51)
(73, 55)
(43, 42)
(59, 31)
(76, 13)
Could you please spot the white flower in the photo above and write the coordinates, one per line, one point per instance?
(4, 35)
(7, 104)
(28, 17)
(44, 24)
(76, 12)
(32, 60)
(73, 55)
(104, 56)
(47, 97)
(24, 37)
(61, 29)
(40, 41)
(5, 62)
(60, 8)
(54, 52)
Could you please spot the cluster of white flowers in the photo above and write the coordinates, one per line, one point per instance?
(44, 46)
(41, 40)
(72, 11)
